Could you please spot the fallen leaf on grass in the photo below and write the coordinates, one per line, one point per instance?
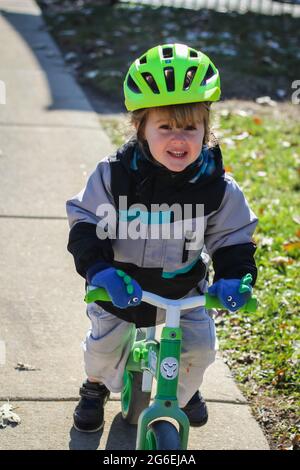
(100, 43)
(87, 11)
(296, 219)
(279, 377)
(91, 74)
(70, 56)
(257, 120)
(273, 44)
(281, 260)
(225, 113)
(289, 246)
(285, 446)
(266, 241)
(229, 142)
(67, 32)
(266, 100)
(228, 169)
(246, 358)
(242, 136)
(7, 416)
(243, 113)
(296, 442)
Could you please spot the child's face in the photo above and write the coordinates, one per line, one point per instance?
(175, 148)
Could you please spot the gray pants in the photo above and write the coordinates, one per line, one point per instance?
(109, 341)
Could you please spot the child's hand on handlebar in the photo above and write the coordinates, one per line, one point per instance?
(232, 293)
(123, 290)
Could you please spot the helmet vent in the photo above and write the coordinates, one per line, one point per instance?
(132, 85)
(193, 53)
(167, 52)
(170, 78)
(209, 73)
(143, 60)
(150, 82)
(189, 77)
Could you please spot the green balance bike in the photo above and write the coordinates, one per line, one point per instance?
(150, 358)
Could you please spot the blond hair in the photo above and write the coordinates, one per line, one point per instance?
(178, 115)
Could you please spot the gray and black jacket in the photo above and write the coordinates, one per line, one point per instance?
(163, 266)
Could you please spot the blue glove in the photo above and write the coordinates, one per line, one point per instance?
(232, 293)
(123, 290)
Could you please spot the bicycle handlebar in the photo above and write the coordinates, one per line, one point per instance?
(210, 301)
(213, 302)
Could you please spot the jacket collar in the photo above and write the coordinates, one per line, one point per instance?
(139, 162)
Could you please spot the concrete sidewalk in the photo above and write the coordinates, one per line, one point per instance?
(50, 140)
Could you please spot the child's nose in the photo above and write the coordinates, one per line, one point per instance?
(178, 135)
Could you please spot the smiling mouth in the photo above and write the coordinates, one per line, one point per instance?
(177, 154)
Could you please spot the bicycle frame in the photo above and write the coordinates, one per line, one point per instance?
(162, 359)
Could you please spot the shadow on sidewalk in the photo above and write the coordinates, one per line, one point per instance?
(121, 436)
(64, 91)
(84, 441)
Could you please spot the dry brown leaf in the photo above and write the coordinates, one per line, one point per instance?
(291, 246)
(228, 169)
(296, 442)
(257, 120)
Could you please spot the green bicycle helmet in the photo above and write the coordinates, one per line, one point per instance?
(171, 74)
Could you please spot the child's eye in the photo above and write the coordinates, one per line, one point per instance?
(190, 128)
(165, 126)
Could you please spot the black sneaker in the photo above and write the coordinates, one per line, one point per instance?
(196, 410)
(88, 414)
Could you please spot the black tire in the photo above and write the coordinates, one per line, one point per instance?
(163, 435)
(132, 407)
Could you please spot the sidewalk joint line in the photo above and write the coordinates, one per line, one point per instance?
(71, 399)
(47, 126)
(46, 217)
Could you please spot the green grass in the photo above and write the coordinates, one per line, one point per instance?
(256, 54)
(264, 348)
(268, 171)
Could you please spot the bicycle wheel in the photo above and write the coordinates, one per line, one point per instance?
(133, 400)
(162, 435)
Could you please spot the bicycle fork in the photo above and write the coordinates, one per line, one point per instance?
(166, 369)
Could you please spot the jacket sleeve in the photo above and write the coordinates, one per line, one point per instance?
(92, 220)
(228, 235)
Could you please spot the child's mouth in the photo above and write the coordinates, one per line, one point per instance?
(177, 154)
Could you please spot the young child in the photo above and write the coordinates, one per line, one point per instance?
(171, 160)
